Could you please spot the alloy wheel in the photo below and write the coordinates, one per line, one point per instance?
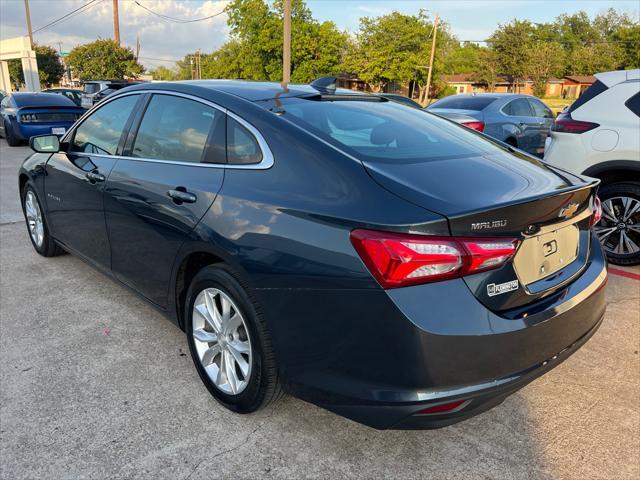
(222, 341)
(619, 228)
(34, 218)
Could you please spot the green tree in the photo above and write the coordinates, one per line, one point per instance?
(255, 51)
(50, 69)
(599, 57)
(546, 59)
(512, 45)
(462, 58)
(395, 48)
(163, 73)
(488, 68)
(627, 39)
(103, 59)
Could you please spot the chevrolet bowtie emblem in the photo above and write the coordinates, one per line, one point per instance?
(569, 210)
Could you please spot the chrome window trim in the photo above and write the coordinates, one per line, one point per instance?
(267, 156)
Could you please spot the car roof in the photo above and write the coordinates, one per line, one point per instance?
(30, 99)
(247, 90)
(618, 76)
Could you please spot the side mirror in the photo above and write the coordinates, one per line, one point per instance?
(45, 143)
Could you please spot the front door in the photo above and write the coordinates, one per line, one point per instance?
(75, 180)
(155, 196)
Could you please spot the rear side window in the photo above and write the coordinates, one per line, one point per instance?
(540, 109)
(633, 104)
(464, 102)
(176, 129)
(518, 108)
(385, 131)
(100, 133)
(596, 89)
(242, 146)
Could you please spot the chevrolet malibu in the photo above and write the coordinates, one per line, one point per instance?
(365, 256)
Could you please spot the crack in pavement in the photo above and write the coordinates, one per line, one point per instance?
(239, 445)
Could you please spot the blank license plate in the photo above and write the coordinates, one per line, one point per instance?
(58, 130)
(545, 254)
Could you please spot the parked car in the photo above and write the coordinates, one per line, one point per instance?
(521, 121)
(401, 99)
(2, 94)
(27, 114)
(71, 93)
(599, 136)
(373, 259)
(96, 90)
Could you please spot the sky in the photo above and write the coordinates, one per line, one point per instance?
(163, 41)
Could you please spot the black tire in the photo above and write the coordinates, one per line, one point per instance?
(10, 137)
(611, 193)
(263, 385)
(48, 247)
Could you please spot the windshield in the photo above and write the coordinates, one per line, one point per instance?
(385, 130)
(464, 102)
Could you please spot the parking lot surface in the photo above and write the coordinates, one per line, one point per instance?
(96, 384)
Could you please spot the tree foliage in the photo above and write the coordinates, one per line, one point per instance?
(50, 69)
(396, 47)
(103, 59)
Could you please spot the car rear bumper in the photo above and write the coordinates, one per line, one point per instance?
(379, 357)
(26, 131)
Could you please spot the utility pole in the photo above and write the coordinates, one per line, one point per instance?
(286, 46)
(28, 14)
(116, 22)
(137, 47)
(433, 52)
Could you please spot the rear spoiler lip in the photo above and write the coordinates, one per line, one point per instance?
(593, 182)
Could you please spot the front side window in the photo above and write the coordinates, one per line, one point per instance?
(176, 129)
(242, 146)
(385, 131)
(518, 108)
(100, 133)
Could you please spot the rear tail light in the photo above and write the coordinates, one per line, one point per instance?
(597, 211)
(398, 260)
(565, 124)
(479, 126)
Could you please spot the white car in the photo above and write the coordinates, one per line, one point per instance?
(599, 136)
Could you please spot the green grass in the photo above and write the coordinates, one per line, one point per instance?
(556, 104)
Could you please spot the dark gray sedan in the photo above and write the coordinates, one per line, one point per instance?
(521, 121)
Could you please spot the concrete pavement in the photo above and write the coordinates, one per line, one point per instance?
(96, 384)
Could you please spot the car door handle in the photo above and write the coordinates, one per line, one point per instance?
(95, 177)
(180, 195)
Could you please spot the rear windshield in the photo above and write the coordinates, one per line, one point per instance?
(91, 87)
(385, 130)
(596, 89)
(464, 102)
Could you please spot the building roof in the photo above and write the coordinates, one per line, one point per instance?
(581, 78)
(459, 78)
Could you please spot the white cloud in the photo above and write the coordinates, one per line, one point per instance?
(159, 38)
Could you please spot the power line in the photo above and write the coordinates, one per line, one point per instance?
(176, 20)
(83, 8)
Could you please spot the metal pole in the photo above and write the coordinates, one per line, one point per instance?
(286, 45)
(116, 22)
(433, 52)
(28, 14)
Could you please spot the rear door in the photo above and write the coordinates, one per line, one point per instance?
(521, 117)
(544, 117)
(75, 179)
(172, 169)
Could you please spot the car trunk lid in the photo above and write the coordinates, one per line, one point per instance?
(504, 195)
